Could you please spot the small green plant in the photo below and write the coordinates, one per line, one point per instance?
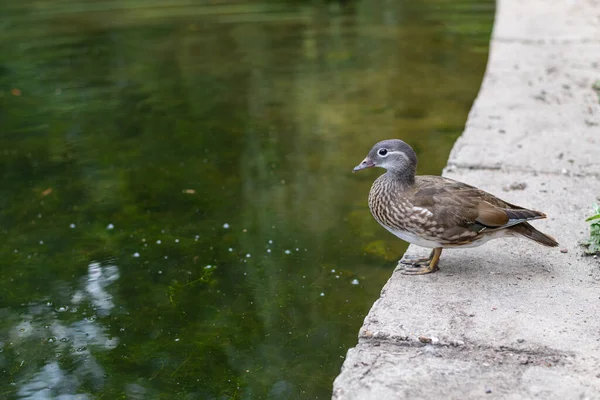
(593, 243)
(596, 88)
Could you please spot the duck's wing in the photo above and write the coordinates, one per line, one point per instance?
(463, 210)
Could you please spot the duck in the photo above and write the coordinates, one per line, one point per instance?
(437, 212)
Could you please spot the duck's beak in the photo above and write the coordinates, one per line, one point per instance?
(366, 163)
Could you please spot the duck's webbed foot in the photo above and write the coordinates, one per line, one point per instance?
(415, 260)
(420, 266)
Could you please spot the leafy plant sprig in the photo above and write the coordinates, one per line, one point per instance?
(593, 243)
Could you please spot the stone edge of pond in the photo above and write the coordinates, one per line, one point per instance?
(509, 319)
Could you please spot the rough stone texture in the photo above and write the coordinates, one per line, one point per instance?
(541, 101)
(510, 319)
(543, 21)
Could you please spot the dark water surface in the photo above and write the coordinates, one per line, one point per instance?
(178, 216)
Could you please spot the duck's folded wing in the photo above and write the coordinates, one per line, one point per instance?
(463, 210)
(500, 218)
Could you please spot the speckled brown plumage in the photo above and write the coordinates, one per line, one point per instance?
(442, 210)
(437, 212)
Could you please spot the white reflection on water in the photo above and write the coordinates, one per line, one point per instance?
(48, 381)
(74, 340)
(98, 279)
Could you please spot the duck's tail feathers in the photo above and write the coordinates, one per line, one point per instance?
(528, 231)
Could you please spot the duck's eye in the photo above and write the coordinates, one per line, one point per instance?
(382, 152)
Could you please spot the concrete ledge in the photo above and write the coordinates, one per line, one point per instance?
(510, 319)
(463, 372)
(542, 21)
(541, 100)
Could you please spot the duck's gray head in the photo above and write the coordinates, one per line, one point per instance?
(393, 155)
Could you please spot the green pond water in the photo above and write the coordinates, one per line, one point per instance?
(178, 216)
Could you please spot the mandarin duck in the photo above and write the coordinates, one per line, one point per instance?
(437, 212)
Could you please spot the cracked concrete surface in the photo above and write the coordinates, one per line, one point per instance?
(510, 319)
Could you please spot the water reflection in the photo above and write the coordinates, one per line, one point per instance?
(51, 383)
(77, 342)
(203, 153)
(95, 288)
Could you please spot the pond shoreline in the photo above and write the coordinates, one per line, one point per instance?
(509, 319)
